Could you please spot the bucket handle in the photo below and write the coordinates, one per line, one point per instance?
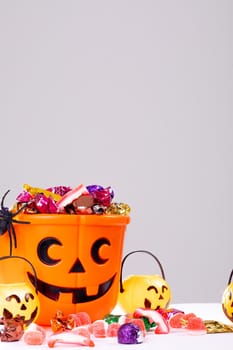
(139, 251)
(230, 278)
(29, 262)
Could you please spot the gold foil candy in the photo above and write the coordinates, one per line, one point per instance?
(217, 327)
(60, 323)
(118, 209)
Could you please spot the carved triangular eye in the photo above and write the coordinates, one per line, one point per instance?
(77, 267)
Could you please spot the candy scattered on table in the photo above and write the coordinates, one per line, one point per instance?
(189, 322)
(129, 333)
(34, 335)
(162, 326)
(77, 329)
(13, 327)
(70, 338)
(99, 329)
(92, 199)
(61, 323)
(213, 326)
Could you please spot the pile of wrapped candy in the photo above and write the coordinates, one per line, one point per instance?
(92, 199)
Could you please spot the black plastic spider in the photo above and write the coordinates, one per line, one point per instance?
(7, 220)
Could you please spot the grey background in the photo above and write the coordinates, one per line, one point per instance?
(136, 95)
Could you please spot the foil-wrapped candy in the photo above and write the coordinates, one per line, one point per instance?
(13, 327)
(118, 209)
(130, 333)
(61, 323)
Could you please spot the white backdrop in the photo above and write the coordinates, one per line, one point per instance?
(136, 95)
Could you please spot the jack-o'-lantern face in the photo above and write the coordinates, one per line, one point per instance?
(227, 302)
(19, 299)
(80, 294)
(77, 259)
(146, 291)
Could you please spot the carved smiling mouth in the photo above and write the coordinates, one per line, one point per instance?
(79, 295)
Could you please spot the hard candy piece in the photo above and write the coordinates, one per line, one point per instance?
(129, 333)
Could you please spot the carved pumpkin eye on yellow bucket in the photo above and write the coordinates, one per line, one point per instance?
(227, 299)
(146, 291)
(17, 296)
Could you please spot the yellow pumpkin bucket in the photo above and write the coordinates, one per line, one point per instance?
(227, 299)
(145, 291)
(17, 295)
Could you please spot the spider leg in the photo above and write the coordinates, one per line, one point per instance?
(3, 198)
(20, 209)
(10, 237)
(21, 222)
(12, 229)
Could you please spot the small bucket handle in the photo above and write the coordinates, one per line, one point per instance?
(139, 251)
(230, 278)
(29, 262)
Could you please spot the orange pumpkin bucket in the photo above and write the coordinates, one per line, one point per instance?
(77, 259)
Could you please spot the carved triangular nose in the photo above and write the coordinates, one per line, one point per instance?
(77, 267)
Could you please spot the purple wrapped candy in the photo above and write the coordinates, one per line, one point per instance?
(129, 333)
(103, 196)
(93, 188)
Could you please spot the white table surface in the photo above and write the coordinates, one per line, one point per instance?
(169, 341)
